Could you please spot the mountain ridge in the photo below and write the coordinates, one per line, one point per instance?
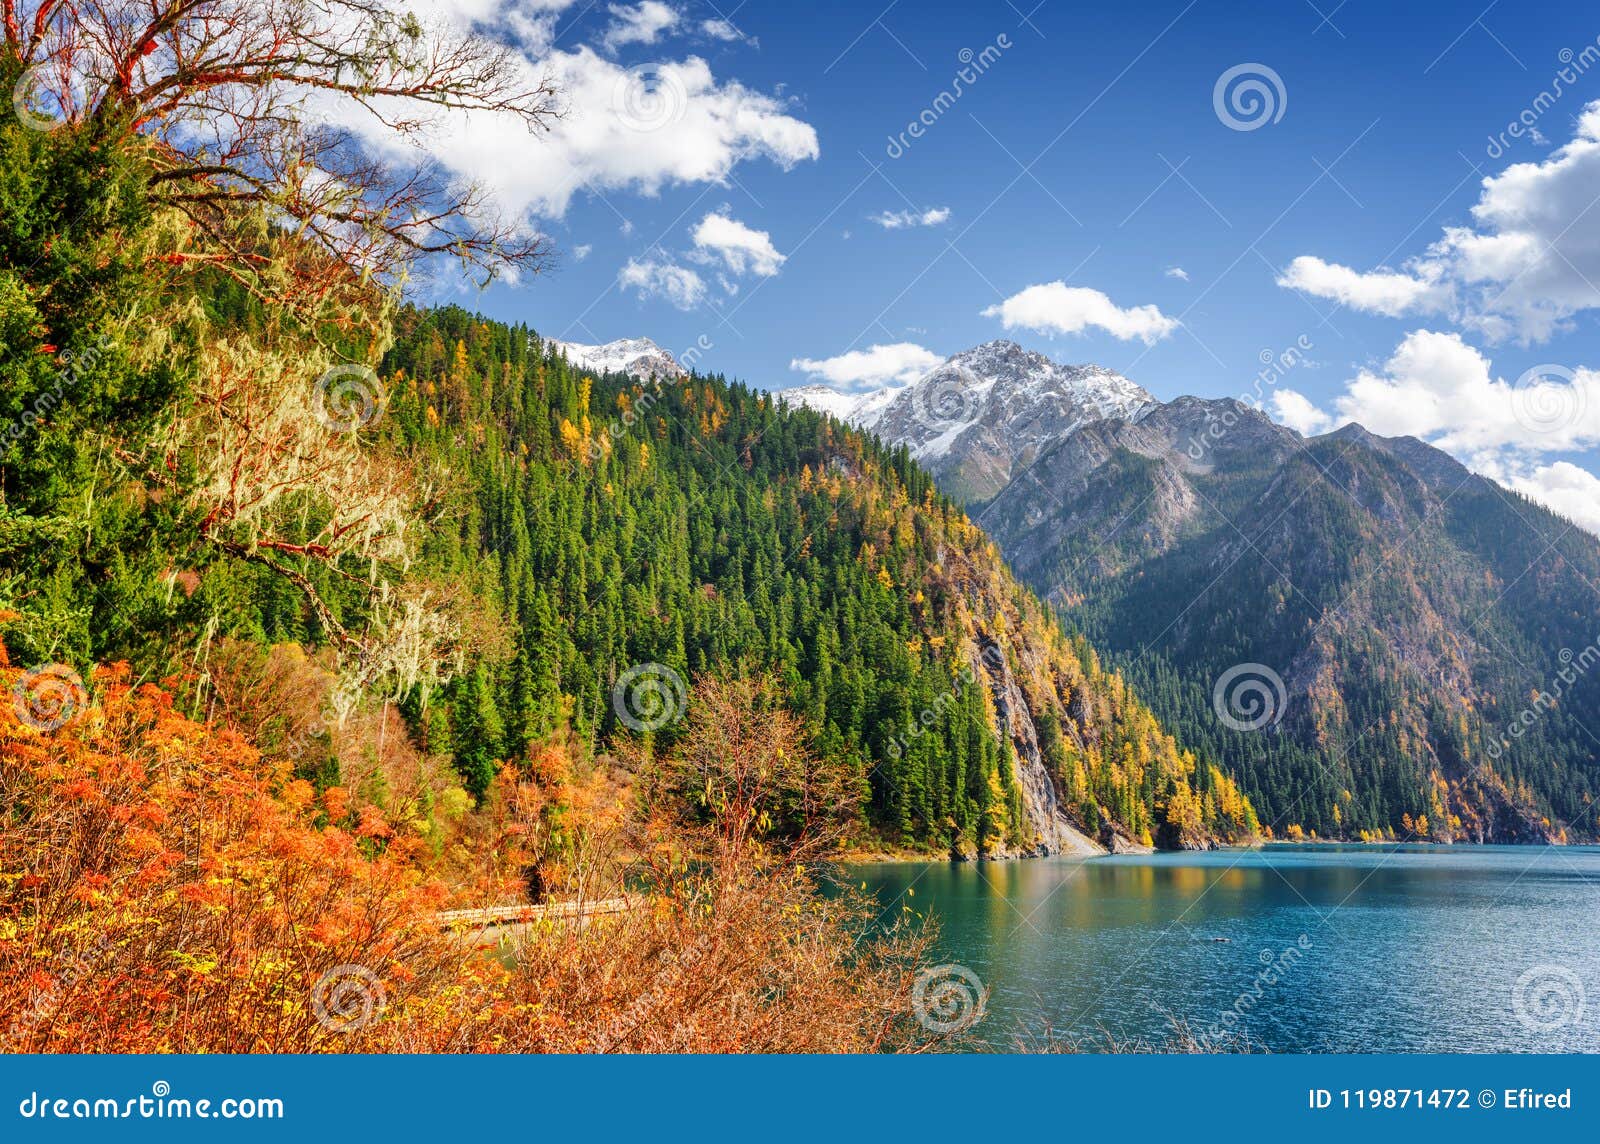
(1385, 583)
(721, 529)
(983, 414)
(634, 357)
(1400, 597)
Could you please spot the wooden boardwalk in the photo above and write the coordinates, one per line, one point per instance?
(492, 917)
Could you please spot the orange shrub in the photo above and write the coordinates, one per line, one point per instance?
(160, 892)
(165, 889)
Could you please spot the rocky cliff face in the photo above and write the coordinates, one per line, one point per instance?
(1053, 830)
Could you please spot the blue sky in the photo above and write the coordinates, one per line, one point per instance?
(724, 166)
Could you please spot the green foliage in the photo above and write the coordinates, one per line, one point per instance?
(609, 523)
(585, 526)
(74, 534)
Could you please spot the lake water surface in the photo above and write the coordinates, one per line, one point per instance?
(1392, 949)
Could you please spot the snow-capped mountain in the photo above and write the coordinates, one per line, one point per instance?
(638, 357)
(824, 399)
(859, 409)
(982, 416)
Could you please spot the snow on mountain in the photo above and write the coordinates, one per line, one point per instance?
(983, 415)
(859, 409)
(638, 357)
(824, 399)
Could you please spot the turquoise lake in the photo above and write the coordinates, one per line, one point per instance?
(1309, 949)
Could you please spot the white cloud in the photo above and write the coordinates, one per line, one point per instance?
(640, 129)
(642, 23)
(530, 24)
(1526, 265)
(1378, 291)
(896, 220)
(1297, 412)
(1566, 489)
(724, 245)
(739, 248)
(898, 363)
(1437, 388)
(1178, 272)
(722, 30)
(1056, 308)
(677, 284)
(582, 250)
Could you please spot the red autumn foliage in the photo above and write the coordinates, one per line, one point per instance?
(163, 888)
(168, 894)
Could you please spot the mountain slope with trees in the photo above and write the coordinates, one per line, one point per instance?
(1434, 632)
(700, 528)
(229, 450)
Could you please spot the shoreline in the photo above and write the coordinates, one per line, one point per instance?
(878, 855)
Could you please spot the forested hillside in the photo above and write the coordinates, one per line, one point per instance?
(699, 527)
(1434, 633)
(492, 540)
(321, 615)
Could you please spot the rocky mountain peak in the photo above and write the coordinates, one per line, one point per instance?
(637, 357)
(981, 415)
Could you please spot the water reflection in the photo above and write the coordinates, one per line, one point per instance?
(1400, 949)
